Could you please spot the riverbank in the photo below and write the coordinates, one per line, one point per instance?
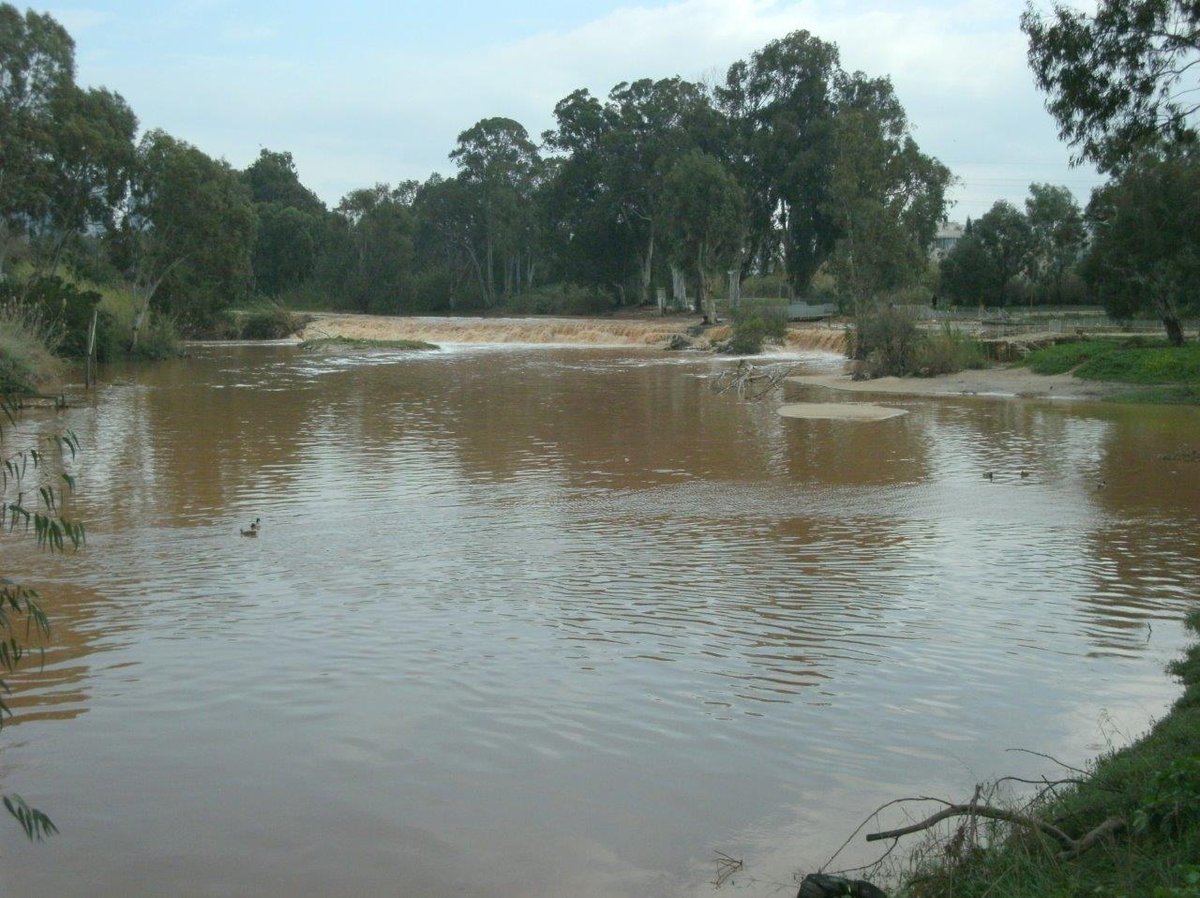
(1142, 804)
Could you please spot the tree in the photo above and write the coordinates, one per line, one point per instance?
(984, 264)
(885, 197)
(1058, 236)
(1121, 80)
(37, 62)
(372, 249)
(84, 174)
(23, 623)
(499, 162)
(1145, 250)
(781, 106)
(1005, 235)
(272, 178)
(285, 250)
(705, 212)
(607, 202)
(186, 234)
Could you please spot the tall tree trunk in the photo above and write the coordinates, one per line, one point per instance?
(647, 263)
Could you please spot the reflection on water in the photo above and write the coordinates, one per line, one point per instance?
(563, 621)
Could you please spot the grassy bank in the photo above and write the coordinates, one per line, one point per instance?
(1163, 373)
(1148, 792)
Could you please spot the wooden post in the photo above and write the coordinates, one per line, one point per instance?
(91, 349)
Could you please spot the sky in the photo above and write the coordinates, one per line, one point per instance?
(367, 91)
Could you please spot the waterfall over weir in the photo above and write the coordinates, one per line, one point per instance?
(575, 331)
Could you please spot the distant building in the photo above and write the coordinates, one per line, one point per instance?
(945, 240)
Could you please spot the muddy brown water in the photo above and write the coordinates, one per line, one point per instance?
(546, 621)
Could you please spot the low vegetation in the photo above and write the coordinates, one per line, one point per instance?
(1169, 373)
(1145, 798)
(268, 321)
(887, 342)
(756, 323)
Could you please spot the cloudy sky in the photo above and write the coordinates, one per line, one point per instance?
(364, 91)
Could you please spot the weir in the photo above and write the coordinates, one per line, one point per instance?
(648, 332)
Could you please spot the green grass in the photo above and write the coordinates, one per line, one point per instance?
(352, 343)
(1062, 357)
(1169, 374)
(1153, 785)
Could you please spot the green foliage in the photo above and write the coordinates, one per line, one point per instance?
(269, 321)
(705, 211)
(1146, 251)
(1122, 361)
(885, 340)
(1172, 800)
(754, 324)
(945, 352)
(34, 484)
(1117, 79)
(560, 299)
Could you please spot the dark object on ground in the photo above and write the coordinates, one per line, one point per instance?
(822, 885)
(678, 341)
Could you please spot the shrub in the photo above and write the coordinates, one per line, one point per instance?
(756, 323)
(25, 359)
(945, 352)
(885, 340)
(270, 321)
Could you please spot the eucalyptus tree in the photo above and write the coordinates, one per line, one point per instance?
(64, 150)
(1145, 249)
(186, 233)
(292, 223)
(608, 202)
(781, 105)
(1122, 79)
(374, 249)
(444, 241)
(501, 166)
(1059, 236)
(84, 175)
(886, 197)
(985, 263)
(705, 221)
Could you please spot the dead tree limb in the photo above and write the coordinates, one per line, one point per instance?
(1070, 847)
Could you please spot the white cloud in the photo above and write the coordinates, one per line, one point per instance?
(353, 115)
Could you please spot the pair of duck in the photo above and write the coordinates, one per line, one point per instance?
(253, 531)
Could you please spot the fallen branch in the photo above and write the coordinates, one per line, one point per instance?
(749, 381)
(1070, 847)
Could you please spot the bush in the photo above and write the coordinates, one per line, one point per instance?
(269, 321)
(25, 359)
(756, 323)
(885, 340)
(945, 352)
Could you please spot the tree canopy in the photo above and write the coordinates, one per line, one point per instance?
(1122, 80)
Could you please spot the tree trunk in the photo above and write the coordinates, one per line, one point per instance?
(647, 262)
(1174, 329)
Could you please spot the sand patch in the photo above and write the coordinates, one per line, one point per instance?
(840, 411)
(1003, 382)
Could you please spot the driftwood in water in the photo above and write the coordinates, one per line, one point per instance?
(749, 381)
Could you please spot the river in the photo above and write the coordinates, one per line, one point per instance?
(550, 620)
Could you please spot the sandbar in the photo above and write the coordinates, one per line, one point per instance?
(1003, 382)
(840, 411)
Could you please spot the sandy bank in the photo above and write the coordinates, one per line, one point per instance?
(988, 382)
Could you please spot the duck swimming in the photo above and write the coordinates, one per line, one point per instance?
(253, 531)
